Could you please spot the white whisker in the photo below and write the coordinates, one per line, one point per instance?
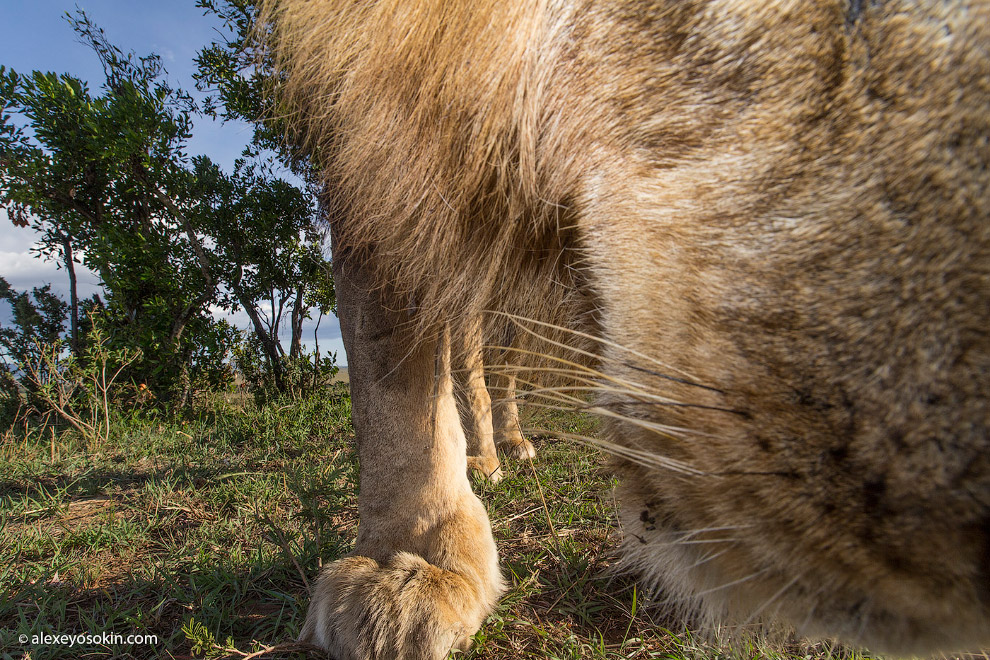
(520, 320)
(728, 585)
(705, 530)
(646, 459)
(707, 558)
(580, 404)
(699, 541)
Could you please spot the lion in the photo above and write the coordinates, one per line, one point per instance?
(756, 233)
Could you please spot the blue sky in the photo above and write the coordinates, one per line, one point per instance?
(34, 35)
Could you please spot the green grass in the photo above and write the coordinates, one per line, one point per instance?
(208, 532)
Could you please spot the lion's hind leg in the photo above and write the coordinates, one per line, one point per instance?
(424, 571)
(505, 417)
(476, 404)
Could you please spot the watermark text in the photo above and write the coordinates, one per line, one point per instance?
(86, 639)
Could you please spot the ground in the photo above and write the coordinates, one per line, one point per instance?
(208, 532)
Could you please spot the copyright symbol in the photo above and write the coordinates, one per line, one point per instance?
(22, 639)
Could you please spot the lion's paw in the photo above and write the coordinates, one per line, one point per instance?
(406, 609)
(516, 446)
(487, 466)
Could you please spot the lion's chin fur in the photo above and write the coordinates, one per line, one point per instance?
(754, 237)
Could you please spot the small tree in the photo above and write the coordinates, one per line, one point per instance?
(36, 318)
(35, 332)
(104, 175)
(291, 274)
(105, 178)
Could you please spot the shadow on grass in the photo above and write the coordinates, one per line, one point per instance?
(95, 480)
(203, 606)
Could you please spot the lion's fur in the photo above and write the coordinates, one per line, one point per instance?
(770, 220)
(442, 184)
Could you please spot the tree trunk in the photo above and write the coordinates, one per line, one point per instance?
(185, 381)
(70, 267)
(270, 346)
(186, 315)
(295, 348)
(202, 259)
(316, 349)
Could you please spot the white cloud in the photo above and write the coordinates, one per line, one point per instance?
(15, 239)
(24, 271)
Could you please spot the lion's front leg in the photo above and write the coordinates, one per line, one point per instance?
(424, 572)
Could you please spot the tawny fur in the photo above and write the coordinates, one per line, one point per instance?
(767, 224)
(475, 404)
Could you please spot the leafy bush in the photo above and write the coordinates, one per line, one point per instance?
(304, 375)
(172, 370)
